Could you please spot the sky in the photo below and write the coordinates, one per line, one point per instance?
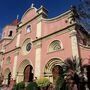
(9, 9)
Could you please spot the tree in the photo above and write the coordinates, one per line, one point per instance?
(84, 13)
(72, 75)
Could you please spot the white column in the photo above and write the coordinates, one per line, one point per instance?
(14, 73)
(38, 60)
(39, 28)
(18, 40)
(20, 77)
(74, 44)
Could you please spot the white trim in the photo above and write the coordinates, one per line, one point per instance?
(18, 40)
(74, 44)
(57, 17)
(14, 67)
(37, 62)
(28, 11)
(39, 29)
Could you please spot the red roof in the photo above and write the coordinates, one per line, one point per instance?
(15, 22)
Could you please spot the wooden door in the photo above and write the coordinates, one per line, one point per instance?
(56, 72)
(28, 75)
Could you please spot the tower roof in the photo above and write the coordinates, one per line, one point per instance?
(15, 22)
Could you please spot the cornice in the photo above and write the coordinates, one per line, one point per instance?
(27, 22)
(28, 11)
(59, 16)
(12, 50)
(84, 46)
(6, 38)
(57, 32)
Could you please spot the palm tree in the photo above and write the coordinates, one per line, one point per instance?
(75, 73)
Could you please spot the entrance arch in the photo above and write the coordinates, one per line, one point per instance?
(21, 70)
(28, 74)
(7, 77)
(49, 67)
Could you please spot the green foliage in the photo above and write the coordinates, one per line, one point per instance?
(32, 86)
(60, 84)
(43, 82)
(19, 86)
(15, 87)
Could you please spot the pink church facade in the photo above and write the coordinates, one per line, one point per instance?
(38, 44)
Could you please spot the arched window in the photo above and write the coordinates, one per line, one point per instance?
(8, 60)
(10, 33)
(55, 46)
(28, 28)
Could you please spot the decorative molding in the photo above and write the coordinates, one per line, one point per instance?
(24, 51)
(73, 33)
(84, 46)
(17, 48)
(55, 45)
(37, 44)
(59, 16)
(58, 32)
(74, 44)
(28, 11)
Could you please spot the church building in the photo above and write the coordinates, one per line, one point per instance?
(33, 46)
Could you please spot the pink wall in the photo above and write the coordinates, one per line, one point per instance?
(25, 35)
(7, 29)
(61, 54)
(10, 66)
(28, 15)
(85, 55)
(11, 45)
(54, 25)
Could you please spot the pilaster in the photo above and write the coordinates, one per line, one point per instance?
(14, 73)
(74, 45)
(38, 59)
(16, 57)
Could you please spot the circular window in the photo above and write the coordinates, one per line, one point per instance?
(28, 47)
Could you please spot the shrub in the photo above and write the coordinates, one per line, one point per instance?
(19, 86)
(15, 87)
(32, 86)
(43, 82)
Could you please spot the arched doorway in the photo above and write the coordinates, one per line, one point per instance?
(23, 71)
(7, 77)
(52, 68)
(28, 74)
(57, 70)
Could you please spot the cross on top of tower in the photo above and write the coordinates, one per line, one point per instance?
(32, 5)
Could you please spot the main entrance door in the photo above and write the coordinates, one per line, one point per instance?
(56, 72)
(28, 75)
